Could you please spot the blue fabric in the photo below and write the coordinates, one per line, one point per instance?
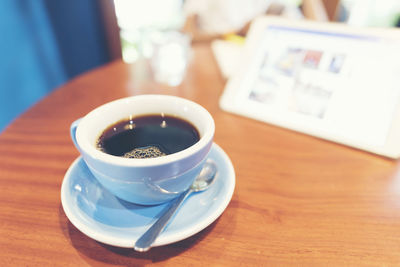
(79, 33)
(44, 44)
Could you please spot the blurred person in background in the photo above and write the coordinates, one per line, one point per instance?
(210, 19)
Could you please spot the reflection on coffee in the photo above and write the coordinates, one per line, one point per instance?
(147, 136)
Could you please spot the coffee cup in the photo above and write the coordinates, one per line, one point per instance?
(145, 181)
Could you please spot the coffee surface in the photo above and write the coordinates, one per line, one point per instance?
(147, 136)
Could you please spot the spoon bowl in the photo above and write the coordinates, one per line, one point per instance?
(206, 177)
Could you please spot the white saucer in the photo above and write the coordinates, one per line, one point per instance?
(105, 218)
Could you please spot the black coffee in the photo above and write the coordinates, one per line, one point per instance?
(147, 136)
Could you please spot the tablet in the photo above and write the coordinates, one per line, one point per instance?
(328, 80)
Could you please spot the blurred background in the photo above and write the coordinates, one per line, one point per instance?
(45, 43)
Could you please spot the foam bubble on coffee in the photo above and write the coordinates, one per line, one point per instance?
(144, 152)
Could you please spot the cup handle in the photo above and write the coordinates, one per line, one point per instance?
(72, 131)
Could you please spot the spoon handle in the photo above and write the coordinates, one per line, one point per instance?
(146, 240)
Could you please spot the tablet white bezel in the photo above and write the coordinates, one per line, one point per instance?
(391, 147)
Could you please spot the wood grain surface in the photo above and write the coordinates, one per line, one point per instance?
(298, 200)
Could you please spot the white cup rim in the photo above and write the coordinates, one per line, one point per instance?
(91, 150)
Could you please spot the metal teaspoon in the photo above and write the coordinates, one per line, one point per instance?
(202, 182)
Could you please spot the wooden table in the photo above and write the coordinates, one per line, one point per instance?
(298, 200)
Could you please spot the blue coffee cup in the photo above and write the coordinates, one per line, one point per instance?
(147, 181)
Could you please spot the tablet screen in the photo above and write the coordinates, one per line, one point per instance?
(342, 84)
